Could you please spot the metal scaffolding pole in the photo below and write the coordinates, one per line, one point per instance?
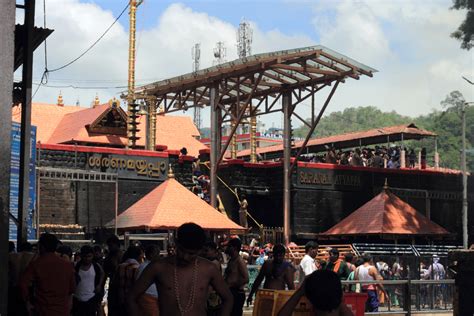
(286, 164)
(25, 137)
(214, 142)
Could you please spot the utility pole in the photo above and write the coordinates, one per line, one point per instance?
(465, 235)
(464, 179)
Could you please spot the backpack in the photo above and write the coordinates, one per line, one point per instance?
(437, 271)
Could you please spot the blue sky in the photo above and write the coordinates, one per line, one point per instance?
(291, 16)
(406, 40)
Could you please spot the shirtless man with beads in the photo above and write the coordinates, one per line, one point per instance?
(183, 280)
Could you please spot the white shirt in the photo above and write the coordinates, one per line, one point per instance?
(152, 291)
(86, 286)
(307, 265)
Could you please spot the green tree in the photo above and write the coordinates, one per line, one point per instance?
(446, 124)
(465, 32)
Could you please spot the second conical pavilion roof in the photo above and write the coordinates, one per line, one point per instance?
(386, 214)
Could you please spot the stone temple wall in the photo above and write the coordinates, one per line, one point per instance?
(91, 205)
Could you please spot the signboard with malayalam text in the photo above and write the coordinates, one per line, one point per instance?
(129, 167)
(15, 182)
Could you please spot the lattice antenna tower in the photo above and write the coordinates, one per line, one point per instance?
(196, 55)
(244, 39)
(219, 53)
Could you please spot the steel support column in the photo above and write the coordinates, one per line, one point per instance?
(465, 235)
(25, 137)
(215, 113)
(287, 107)
(7, 48)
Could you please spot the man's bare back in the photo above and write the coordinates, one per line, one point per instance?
(192, 284)
(182, 280)
(278, 275)
(236, 273)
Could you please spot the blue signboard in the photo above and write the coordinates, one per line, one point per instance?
(15, 181)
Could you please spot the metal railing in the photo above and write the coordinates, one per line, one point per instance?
(408, 296)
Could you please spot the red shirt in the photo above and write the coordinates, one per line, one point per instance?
(54, 283)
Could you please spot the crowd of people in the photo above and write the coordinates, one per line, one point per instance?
(377, 157)
(197, 276)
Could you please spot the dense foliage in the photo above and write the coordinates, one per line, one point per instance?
(447, 124)
(465, 31)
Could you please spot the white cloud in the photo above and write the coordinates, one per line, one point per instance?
(163, 50)
(407, 41)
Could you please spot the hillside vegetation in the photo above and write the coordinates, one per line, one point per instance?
(447, 124)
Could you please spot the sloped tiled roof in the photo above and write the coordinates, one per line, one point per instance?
(46, 117)
(73, 127)
(175, 132)
(63, 124)
(353, 139)
(386, 214)
(169, 206)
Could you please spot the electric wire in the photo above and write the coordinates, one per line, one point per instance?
(95, 43)
(44, 77)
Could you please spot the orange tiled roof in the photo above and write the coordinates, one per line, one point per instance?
(410, 131)
(73, 127)
(46, 117)
(169, 206)
(386, 214)
(175, 132)
(63, 124)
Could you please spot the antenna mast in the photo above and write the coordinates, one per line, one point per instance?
(219, 53)
(244, 41)
(196, 55)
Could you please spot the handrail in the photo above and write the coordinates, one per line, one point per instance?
(400, 282)
(236, 196)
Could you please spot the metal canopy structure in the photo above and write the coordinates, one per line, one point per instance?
(253, 86)
(255, 77)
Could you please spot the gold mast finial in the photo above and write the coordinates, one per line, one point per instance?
(170, 172)
(96, 100)
(60, 99)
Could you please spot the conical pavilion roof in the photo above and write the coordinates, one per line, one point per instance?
(169, 206)
(386, 214)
